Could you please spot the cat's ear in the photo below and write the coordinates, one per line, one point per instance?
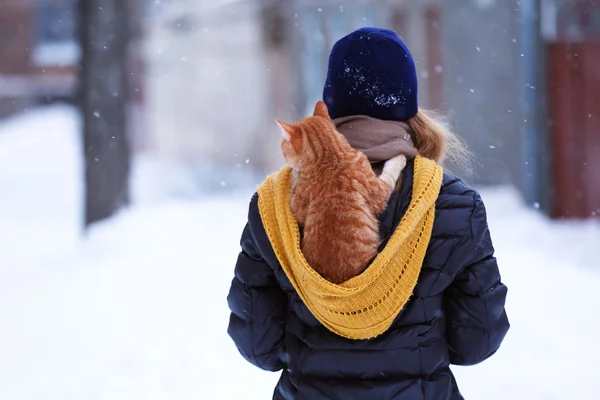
(321, 110)
(286, 130)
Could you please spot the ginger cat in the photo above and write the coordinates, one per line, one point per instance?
(336, 197)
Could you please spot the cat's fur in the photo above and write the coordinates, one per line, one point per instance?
(336, 196)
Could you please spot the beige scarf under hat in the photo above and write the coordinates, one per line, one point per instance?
(377, 139)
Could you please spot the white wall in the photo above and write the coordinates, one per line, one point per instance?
(207, 85)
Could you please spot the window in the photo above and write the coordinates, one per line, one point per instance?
(55, 33)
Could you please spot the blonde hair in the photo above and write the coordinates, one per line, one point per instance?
(435, 140)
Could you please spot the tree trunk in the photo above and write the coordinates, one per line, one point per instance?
(104, 94)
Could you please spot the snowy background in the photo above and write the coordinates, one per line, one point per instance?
(136, 308)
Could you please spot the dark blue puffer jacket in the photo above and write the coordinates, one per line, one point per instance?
(456, 315)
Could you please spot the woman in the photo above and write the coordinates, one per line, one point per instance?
(455, 314)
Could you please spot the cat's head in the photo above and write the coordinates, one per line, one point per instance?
(303, 140)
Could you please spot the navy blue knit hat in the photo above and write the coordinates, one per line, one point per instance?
(371, 72)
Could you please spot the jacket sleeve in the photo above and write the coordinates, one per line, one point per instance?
(476, 321)
(257, 305)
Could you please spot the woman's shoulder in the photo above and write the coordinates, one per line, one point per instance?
(458, 206)
(254, 219)
(457, 210)
(456, 193)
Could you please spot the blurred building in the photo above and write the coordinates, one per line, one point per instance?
(39, 52)
(519, 80)
(208, 87)
(571, 131)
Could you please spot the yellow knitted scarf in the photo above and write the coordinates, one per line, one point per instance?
(365, 306)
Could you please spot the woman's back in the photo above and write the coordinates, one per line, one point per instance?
(456, 315)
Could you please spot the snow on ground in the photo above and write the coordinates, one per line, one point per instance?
(136, 310)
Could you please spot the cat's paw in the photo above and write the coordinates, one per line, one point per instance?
(295, 176)
(395, 165)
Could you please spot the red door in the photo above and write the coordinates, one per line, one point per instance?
(574, 99)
